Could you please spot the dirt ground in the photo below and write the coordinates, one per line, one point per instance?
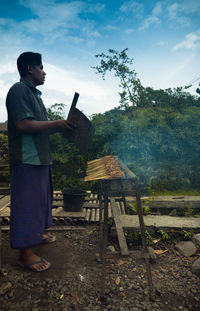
(74, 280)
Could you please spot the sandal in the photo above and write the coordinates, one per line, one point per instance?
(49, 239)
(39, 269)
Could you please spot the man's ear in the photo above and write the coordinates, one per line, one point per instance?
(29, 69)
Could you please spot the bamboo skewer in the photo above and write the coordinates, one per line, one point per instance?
(103, 168)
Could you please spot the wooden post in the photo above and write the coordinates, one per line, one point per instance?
(146, 255)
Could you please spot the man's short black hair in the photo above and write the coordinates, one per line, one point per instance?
(26, 59)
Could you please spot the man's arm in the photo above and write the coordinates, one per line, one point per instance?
(33, 126)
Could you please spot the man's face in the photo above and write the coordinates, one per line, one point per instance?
(37, 74)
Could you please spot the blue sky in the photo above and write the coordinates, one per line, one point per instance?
(163, 38)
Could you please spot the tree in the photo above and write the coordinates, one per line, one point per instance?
(133, 93)
(155, 132)
(198, 90)
(119, 62)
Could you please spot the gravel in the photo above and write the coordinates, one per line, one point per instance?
(74, 281)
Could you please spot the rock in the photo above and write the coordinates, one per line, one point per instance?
(196, 240)
(196, 267)
(189, 273)
(152, 255)
(111, 249)
(186, 248)
(5, 287)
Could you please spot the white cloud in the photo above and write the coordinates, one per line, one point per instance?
(110, 28)
(129, 31)
(161, 43)
(191, 41)
(164, 74)
(175, 14)
(67, 82)
(181, 12)
(132, 7)
(154, 18)
(192, 6)
(96, 95)
(53, 21)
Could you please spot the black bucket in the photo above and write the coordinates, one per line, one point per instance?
(73, 200)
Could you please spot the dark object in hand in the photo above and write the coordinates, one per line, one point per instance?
(83, 128)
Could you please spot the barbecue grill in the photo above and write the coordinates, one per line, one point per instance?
(109, 187)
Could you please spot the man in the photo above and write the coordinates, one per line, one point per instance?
(31, 188)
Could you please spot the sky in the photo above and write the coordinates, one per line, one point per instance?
(162, 37)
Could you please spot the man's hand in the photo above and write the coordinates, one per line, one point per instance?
(65, 125)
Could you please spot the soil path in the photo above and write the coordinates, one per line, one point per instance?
(74, 280)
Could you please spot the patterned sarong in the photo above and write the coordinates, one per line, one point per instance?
(31, 204)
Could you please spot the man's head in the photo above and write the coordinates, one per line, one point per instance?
(30, 66)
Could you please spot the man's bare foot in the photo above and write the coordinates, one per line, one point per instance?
(29, 260)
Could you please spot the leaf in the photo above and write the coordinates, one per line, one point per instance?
(160, 251)
(117, 281)
(121, 262)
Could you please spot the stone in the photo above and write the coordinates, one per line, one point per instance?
(186, 248)
(196, 240)
(5, 287)
(196, 267)
(111, 248)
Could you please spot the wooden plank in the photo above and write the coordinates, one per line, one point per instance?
(5, 190)
(55, 228)
(90, 199)
(5, 211)
(92, 218)
(162, 222)
(119, 228)
(58, 198)
(61, 213)
(87, 216)
(4, 201)
(122, 208)
(90, 205)
(170, 201)
(97, 214)
(58, 203)
(109, 210)
(173, 204)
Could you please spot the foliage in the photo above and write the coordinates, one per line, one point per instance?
(156, 133)
(187, 234)
(163, 235)
(3, 148)
(120, 63)
(132, 237)
(148, 238)
(189, 211)
(158, 237)
(4, 170)
(55, 112)
(133, 208)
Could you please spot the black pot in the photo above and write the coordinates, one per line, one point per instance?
(73, 200)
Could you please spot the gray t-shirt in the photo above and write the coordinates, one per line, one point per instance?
(24, 101)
